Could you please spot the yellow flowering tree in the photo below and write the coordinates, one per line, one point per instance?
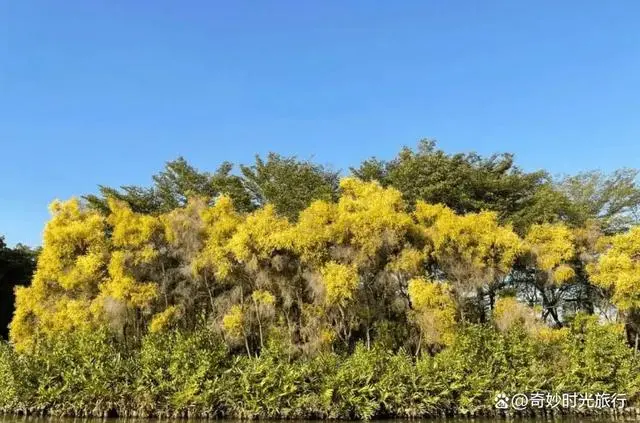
(552, 246)
(364, 267)
(137, 272)
(552, 251)
(356, 246)
(209, 263)
(71, 267)
(618, 270)
(434, 312)
(250, 252)
(472, 251)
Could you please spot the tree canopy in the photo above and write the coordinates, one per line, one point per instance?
(355, 295)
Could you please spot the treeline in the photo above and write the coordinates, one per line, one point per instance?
(418, 286)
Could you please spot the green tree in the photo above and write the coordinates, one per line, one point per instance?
(173, 186)
(288, 183)
(16, 268)
(611, 199)
(468, 182)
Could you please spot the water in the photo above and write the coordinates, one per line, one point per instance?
(22, 419)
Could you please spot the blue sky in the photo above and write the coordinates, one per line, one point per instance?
(104, 92)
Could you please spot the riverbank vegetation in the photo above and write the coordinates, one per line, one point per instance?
(415, 287)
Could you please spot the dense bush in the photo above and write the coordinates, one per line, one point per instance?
(194, 375)
(82, 374)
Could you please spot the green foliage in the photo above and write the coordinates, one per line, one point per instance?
(598, 359)
(172, 188)
(84, 374)
(613, 199)
(13, 386)
(289, 184)
(16, 268)
(351, 392)
(423, 287)
(191, 374)
(178, 374)
(463, 182)
(264, 387)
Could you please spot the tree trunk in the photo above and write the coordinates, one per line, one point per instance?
(259, 325)
(164, 286)
(206, 284)
(246, 342)
(368, 338)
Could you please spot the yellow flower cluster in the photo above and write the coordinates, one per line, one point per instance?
(146, 270)
(473, 247)
(619, 269)
(340, 282)
(435, 310)
(553, 246)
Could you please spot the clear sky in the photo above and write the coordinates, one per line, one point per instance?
(104, 92)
